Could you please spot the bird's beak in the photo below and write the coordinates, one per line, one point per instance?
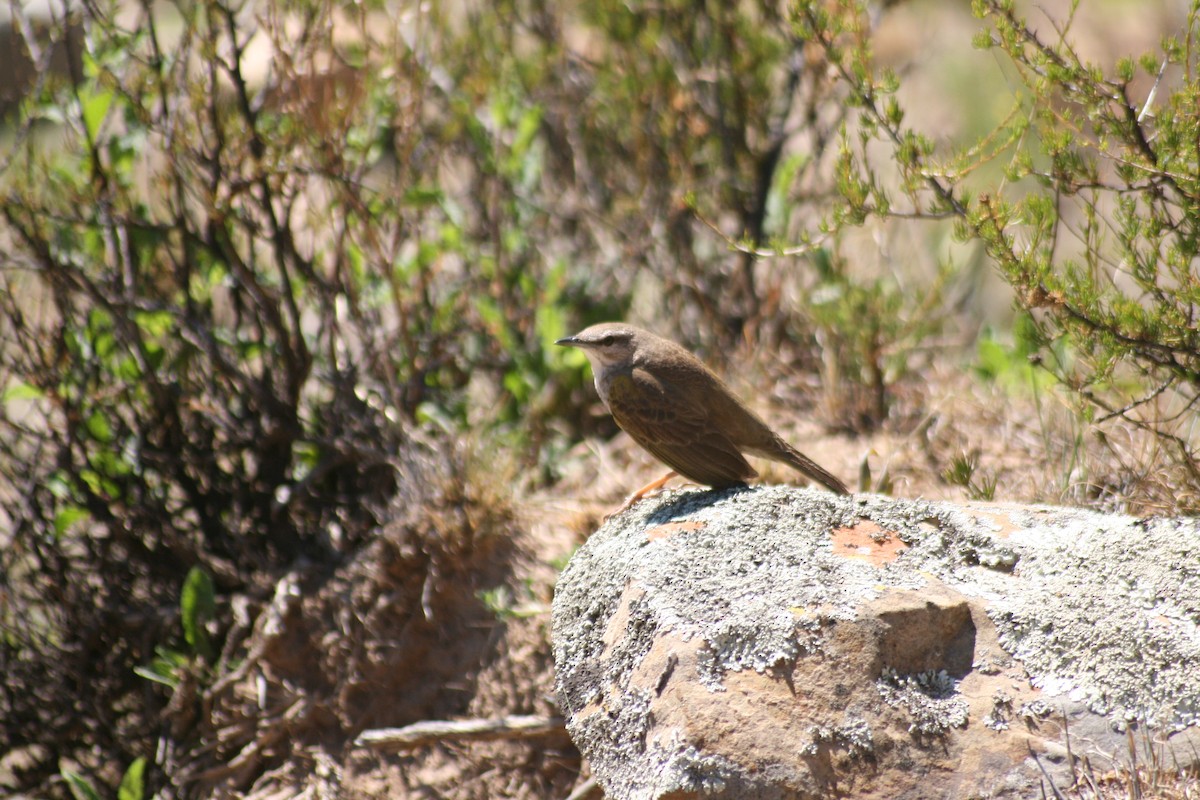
(568, 341)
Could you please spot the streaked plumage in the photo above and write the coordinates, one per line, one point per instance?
(680, 411)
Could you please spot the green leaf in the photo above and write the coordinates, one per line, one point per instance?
(95, 109)
(527, 128)
(164, 668)
(99, 428)
(155, 324)
(198, 605)
(356, 261)
(423, 196)
(517, 385)
(80, 786)
(493, 317)
(551, 326)
(133, 784)
(151, 675)
(67, 516)
(1125, 69)
(992, 360)
(20, 390)
(306, 456)
(96, 483)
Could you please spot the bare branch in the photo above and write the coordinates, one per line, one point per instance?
(432, 731)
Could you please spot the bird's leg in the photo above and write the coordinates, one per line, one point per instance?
(652, 486)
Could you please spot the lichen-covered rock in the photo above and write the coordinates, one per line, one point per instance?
(782, 643)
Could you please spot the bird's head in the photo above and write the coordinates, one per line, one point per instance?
(606, 344)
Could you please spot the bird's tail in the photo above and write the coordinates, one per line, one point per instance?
(804, 464)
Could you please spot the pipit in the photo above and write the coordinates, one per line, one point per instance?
(682, 413)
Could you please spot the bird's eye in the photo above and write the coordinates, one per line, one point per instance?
(607, 340)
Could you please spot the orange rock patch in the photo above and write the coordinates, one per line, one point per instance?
(868, 542)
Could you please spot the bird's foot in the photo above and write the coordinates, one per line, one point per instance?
(649, 488)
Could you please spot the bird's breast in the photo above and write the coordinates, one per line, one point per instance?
(602, 390)
(615, 386)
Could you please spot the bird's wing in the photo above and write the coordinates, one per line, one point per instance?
(675, 430)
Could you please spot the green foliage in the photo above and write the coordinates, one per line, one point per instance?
(1092, 219)
(502, 603)
(20, 390)
(962, 472)
(197, 606)
(81, 788)
(165, 668)
(132, 786)
(232, 299)
(133, 782)
(670, 107)
(875, 331)
(225, 302)
(1015, 366)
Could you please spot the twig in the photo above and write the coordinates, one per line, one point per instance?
(585, 790)
(1042, 767)
(1153, 91)
(429, 731)
(238, 770)
(760, 252)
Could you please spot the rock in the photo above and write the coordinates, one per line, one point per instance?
(783, 643)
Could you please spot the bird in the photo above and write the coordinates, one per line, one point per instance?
(679, 411)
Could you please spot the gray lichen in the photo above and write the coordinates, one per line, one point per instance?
(732, 592)
(1101, 612)
(930, 698)
(854, 735)
(1102, 609)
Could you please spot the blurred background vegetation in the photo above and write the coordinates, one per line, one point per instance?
(276, 275)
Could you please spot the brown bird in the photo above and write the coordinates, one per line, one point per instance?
(682, 413)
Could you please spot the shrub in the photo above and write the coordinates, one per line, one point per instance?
(1092, 218)
(234, 311)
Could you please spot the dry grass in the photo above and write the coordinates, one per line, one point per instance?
(1147, 771)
